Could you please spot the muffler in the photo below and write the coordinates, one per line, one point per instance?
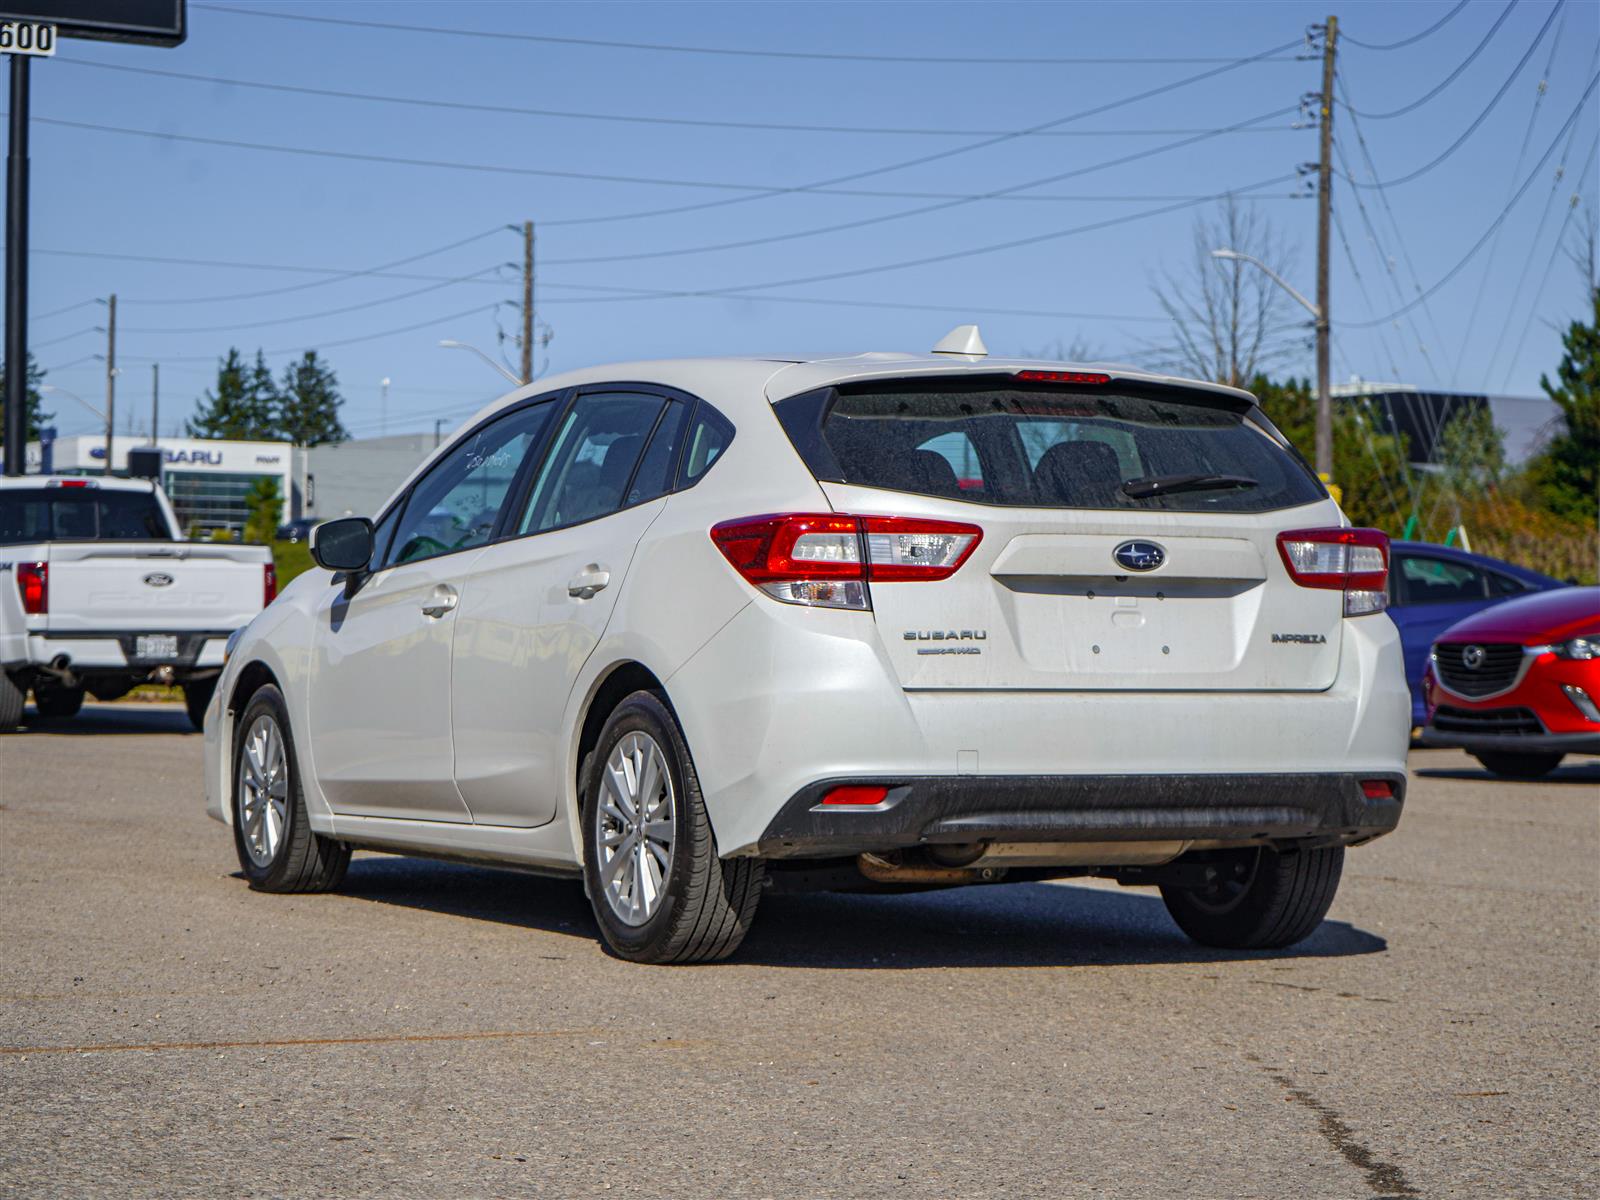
(885, 870)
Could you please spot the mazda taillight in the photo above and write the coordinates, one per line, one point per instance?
(269, 584)
(1352, 561)
(33, 581)
(828, 559)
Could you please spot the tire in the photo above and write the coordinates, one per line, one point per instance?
(196, 697)
(298, 859)
(699, 907)
(11, 698)
(1275, 900)
(1514, 765)
(56, 701)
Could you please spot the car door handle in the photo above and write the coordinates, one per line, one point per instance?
(585, 585)
(443, 602)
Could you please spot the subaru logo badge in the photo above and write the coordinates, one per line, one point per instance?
(157, 579)
(1139, 556)
(1473, 657)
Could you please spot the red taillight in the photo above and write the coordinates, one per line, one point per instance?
(33, 581)
(1063, 377)
(72, 483)
(827, 559)
(856, 794)
(269, 584)
(1352, 561)
(1377, 789)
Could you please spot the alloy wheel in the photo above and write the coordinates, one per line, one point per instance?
(635, 828)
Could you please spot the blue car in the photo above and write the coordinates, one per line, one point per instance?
(1432, 587)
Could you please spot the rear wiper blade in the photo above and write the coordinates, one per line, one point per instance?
(1160, 485)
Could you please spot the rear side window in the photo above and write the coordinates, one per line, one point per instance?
(1022, 447)
(80, 515)
(591, 464)
(709, 437)
(1425, 580)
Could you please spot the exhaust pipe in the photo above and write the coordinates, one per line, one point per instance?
(163, 675)
(883, 870)
(61, 667)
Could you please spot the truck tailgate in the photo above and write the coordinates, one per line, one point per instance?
(154, 587)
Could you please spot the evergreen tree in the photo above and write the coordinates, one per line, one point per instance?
(33, 410)
(265, 504)
(244, 405)
(308, 411)
(1567, 474)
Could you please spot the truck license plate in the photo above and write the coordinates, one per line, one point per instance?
(156, 645)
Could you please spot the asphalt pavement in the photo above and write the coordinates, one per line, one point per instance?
(442, 1030)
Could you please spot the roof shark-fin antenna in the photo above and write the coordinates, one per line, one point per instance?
(964, 341)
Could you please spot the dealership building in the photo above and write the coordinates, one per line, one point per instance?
(208, 480)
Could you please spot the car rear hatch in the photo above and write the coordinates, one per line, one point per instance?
(1126, 534)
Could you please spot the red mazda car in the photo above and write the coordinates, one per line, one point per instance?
(1518, 685)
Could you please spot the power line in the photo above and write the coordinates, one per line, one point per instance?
(1449, 79)
(56, 312)
(749, 192)
(349, 341)
(1012, 244)
(1494, 247)
(1495, 224)
(1555, 251)
(725, 51)
(1482, 116)
(65, 337)
(1414, 38)
(883, 218)
(330, 312)
(335, 276)
(625, 118)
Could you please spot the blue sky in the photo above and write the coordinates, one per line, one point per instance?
(98, 194)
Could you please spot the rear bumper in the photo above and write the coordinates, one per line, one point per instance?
(116, 651)
(1526, 743)
(1253, 809)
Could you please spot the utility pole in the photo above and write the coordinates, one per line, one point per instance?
(1330, 41)
(111, 376)
(155, 402)
(16, 424)
(527, 302)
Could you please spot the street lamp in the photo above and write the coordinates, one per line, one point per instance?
(452, 344)
(383, 409)
(1324, 448)
(50, 387)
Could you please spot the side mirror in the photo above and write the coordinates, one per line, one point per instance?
(342, 545)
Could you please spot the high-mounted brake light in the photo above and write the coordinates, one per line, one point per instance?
(1063, 377)
(1352, 561)
(33, 581)
(827, 559)
(269, 584)
(72, 483)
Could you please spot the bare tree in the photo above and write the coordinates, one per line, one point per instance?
(1229, 319)
(1077, 350)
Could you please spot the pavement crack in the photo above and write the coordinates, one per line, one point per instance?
(1383, 1178)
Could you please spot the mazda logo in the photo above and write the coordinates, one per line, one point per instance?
(1139, 556)
(157, 579)
(1473, 657)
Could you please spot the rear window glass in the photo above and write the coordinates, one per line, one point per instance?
(79, 515)
(1032, 448)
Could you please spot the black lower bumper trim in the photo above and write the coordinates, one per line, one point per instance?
(1264, 808)
(1523, 743)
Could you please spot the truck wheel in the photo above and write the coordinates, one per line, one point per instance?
(660, 892)
(1519, 766)
(278, 849)
(10, 704)
(52, 700)
(1275, 900)
(196, 698)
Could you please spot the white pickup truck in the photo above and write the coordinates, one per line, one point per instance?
(99, 593)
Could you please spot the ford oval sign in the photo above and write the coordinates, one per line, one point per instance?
(158, 579)
(1139, 556)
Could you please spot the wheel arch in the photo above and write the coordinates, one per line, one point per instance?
(609, 689)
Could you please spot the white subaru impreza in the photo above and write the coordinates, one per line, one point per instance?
(692, 629)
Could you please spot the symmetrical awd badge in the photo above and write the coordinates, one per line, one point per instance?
(1139, 556)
